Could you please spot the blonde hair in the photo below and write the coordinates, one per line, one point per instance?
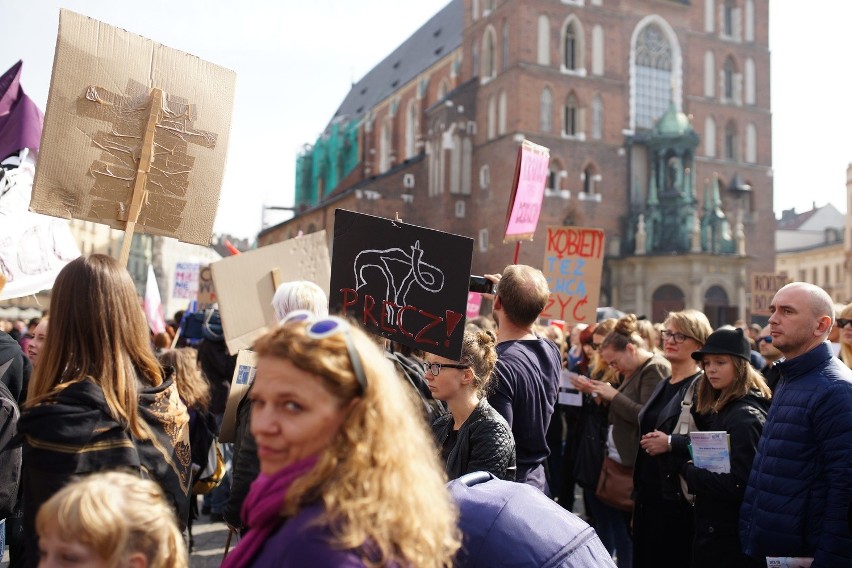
(380, 479)
(845, 354)
(193, 388)
(117, 515)
(479, 351)
(691, 323)
(98, 333)
(746, 379)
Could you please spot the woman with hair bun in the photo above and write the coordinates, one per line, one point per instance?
(473, 436)
(110, 519)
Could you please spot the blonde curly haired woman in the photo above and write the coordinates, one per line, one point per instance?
(110, 519)
(348, 472)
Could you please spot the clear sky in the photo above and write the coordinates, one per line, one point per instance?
(295, 61)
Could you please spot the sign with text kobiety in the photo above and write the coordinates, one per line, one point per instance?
(400, 281)
(573, 260)
(763, 288)
(527, 192)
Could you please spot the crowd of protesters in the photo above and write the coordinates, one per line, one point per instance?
(345, 442)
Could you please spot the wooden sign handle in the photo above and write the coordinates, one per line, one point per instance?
(277, 279)
(139, 193)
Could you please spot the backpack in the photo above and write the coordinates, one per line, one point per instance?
(10, 454)
(208, 463)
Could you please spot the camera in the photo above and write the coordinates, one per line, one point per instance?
(481, 284)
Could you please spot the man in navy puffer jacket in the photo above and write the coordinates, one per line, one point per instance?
(801, 480)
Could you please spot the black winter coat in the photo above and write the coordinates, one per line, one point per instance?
(485, 443)
(718, 496)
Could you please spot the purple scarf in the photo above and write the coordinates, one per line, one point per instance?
(262, 510)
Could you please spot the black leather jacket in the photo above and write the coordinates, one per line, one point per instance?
(485, 443)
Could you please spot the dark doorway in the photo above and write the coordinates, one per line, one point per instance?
(667, 298)
(717, 309)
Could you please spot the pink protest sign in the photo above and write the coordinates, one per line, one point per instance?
(527, 192)
(474, 303)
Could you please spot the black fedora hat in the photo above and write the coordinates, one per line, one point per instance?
(725, 342)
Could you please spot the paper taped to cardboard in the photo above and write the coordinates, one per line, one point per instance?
(97, 110)
(241, 381)
(245, 284)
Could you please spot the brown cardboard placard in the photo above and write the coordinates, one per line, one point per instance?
(103, 91)
(573, 263)
(206, 290)
(763, 288)
(240, 383)
(244, 284)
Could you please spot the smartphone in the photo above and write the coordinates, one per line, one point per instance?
(481, 284)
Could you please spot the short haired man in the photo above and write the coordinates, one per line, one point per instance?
(771, 354)
(528, 368)
(796, 501)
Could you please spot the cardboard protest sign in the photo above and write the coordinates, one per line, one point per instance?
(400, 281)
(243, 378)
(531, 170)
(135, 133)
(206, 289)
(763, 288)
(573, 261)
(245, 284)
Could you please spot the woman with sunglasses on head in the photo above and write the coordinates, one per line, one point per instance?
(348, 472)
(731, 397)
(662, 520)
(473, 436)
(98, 379)
(844, 324)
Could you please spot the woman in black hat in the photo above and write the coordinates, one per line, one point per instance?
(731, 397)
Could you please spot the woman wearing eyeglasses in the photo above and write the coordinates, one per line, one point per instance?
(662, 519)
(473, 436)
(844, 324)
(348, 473)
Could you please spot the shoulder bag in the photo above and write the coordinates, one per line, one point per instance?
(685, 425)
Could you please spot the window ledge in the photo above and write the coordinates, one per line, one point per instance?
(596, 197)
(580, 136)
(581, 72)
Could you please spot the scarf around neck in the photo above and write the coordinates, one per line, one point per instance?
(262, 510)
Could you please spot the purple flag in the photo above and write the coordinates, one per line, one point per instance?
(20, 118)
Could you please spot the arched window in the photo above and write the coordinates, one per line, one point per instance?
(710, 137)
(504, 51)
(653, 75)
(590, 180)
(501, 114)
(597, 50)
(571, 116)
(385, 146)
(751, 143)
(709, 15)
(411, 129)
(572, 46)
(749, 20)
(597, 118)
(709, 74)
(543, 51)
(731, 141)
(455, 164)
(546, 111)
(729, 71)
(489, 55)
(466, 165)
(750, 82)
(492, 118)
(474, 63)
(728, 18)
(443, 89)
(666, 299)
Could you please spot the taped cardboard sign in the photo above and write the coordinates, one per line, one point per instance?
(573, 264)
(245, 284)
(400, 281)
(108, 89)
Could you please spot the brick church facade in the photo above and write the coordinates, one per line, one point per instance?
(644, 105)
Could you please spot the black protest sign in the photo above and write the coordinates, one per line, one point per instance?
(400, 281)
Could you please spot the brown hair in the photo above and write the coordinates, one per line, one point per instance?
(98, 333)
(600, 370)
(625, 331)
(193, 388)
(746, 379)
(479, 351)
(523, 292)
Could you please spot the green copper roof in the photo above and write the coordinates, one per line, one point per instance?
(673, 123)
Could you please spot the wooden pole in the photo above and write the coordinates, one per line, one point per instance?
(139, 194)
(517, 252)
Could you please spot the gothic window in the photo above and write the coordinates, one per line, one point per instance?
(552, 178)
(597, 50)
(653, 75)
(489, 66)
(501, 114)
(597, 117)
(504, 52)
(466, 165)
(589, 179)
(751, 143)
(709, 74)
(411, 129)
(728, 73)
(475, 60)
(570, 116)
(443, 89)
(710, 137)
(749, 20)
(709, 16)
(543, 52)
(546, 111)
(750, 82)
(492, 118)
(570, 57)
(728, 18)
(385, 147)
(455, 165)
(731, 141)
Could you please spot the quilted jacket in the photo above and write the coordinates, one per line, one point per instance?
(801, 479)
(485, 443)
